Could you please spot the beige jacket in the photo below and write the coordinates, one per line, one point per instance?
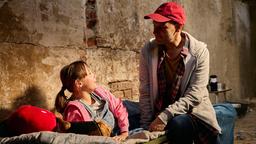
(194, 94)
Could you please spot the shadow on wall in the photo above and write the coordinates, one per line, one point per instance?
(4, 114)
(32, 96)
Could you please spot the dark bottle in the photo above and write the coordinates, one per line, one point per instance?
(213, 83)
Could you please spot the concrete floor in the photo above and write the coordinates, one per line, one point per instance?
(245, 127)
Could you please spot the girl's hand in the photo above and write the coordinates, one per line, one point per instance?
(121, 137)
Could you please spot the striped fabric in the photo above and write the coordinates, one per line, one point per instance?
(168, 88)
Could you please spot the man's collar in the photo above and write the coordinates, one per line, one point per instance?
(184, 52)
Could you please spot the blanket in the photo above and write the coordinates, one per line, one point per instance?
(46, 137)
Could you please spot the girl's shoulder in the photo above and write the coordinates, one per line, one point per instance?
(102, 92)
(74, 103)
(101, 88)
(105, 94)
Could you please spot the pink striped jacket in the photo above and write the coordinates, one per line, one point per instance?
(75, 110)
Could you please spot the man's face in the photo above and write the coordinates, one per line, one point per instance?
(165, 33)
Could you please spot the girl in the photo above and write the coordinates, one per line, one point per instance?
(89, 102)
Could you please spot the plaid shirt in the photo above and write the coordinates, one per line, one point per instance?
(168, 89)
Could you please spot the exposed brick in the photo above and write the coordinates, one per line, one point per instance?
(123, 85)
(91, 1)
(101, 42)
(91, 19)
(118, 94)
(91, 14)
(128, 94)
(91, 42)
(113, 86)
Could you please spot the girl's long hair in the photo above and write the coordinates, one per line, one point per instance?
(68, 75)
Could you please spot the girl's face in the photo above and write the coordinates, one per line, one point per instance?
(88, 83)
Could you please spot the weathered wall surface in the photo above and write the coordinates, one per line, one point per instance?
(229, 41)
(38, 37)
(47, 23)
(225, 27)
(114, 34)
(249, 59)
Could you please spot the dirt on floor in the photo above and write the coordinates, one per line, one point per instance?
(245, 127)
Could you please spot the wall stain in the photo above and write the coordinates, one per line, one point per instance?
(48, 8)
(60, 17)
(44, 9)
(12, 29)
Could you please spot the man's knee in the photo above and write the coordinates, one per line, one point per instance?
(180, 122)
(180, 129)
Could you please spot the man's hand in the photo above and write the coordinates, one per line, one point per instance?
(121, 137)
(157, 125)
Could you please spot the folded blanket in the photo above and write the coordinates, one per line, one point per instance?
(56, 138)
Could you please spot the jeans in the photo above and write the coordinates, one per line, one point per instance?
(226, 115)
(180, 130)
(133, 114)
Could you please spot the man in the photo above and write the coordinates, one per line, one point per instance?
(174, 69)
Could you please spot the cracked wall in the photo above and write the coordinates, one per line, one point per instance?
(38, 37)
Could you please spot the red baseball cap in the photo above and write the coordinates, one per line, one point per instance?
(169, 11)
(27, 119)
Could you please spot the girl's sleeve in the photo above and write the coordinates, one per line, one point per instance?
(116, 107)
(73, 114)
